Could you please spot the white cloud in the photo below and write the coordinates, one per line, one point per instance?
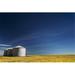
(4, 45)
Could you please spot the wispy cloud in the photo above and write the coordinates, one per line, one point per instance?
(5, 45)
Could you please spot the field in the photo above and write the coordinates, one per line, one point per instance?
(40, 58)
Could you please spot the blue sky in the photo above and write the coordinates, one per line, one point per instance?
(40, 33)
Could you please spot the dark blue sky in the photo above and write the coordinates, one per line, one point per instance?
(40, 33)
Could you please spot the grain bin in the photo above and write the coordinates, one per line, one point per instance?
(21, 51)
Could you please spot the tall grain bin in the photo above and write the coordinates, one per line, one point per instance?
(9, 52)
(5, 53)
(21, 51)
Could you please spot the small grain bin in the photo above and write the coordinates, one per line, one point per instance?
(21, 51)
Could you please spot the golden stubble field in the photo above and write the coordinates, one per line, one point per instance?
(40, 58)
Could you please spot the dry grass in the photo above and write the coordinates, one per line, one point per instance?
(40, 58)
